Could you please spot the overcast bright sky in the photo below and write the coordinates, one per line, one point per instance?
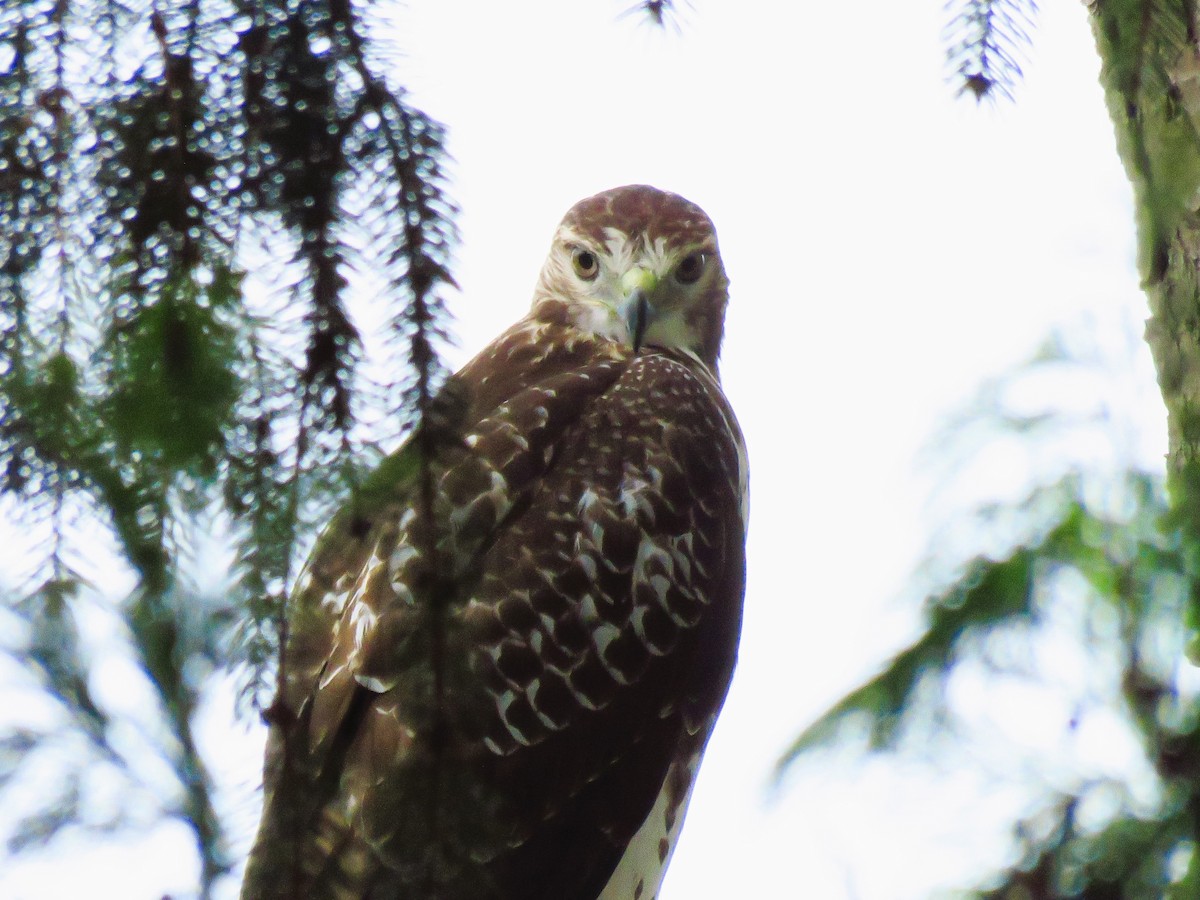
(890, 247)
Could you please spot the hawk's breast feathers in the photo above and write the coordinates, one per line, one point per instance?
(507, 693)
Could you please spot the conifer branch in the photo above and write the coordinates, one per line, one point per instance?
(986, 40)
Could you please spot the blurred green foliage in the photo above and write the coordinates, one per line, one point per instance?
(1131, 564)
(150, 156)
(1079, 609)
(174, 376)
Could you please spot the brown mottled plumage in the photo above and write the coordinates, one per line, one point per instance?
(581, 581)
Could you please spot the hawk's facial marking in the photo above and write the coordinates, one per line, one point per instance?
(638, 238)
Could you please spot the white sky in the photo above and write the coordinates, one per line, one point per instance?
(889, 247)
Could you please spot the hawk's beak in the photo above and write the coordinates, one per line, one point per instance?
(637, 314)
(636, 309)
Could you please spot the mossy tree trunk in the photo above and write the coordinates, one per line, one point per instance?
(1151, 76)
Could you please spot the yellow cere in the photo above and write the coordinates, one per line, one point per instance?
(638, 277)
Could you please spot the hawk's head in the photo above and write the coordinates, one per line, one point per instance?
(640, 266)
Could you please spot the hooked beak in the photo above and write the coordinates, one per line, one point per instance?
(637, 316)
(636, 309)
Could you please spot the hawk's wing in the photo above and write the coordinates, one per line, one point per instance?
(590, 559)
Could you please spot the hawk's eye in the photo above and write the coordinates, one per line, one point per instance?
(585, 263)
(690, 268)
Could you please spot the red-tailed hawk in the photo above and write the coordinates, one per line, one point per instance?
(505, 690)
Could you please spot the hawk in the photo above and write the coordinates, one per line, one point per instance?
(502, 686)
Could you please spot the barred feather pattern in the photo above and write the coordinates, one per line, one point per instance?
(589, 554)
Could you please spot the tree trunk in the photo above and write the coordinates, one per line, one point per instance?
(1151, 77)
